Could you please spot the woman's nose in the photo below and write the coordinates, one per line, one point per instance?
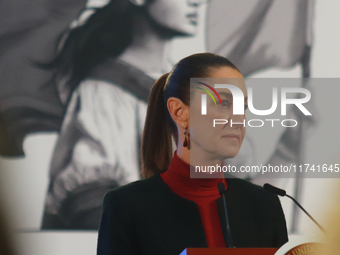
(237, 120)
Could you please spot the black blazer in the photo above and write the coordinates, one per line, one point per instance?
(146, 217)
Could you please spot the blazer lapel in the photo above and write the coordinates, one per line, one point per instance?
(241, 220)
(184, 219)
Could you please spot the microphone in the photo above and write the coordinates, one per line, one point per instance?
(283, 193)
(221, 189)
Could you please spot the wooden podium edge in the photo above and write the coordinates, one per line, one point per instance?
(229, 251)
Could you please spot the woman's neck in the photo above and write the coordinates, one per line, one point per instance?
(200, 158)
(148, 49)
(184, 175)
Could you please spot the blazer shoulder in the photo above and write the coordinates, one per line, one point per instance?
(257, 191)
(266, 209)
(245, 185)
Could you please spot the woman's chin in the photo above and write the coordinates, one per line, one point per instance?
(230, 153)
(187, 30)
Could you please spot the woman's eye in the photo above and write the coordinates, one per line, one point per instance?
(225, 103)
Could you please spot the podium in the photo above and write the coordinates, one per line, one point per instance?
(229, 251)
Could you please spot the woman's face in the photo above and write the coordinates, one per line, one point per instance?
(179, 16)
(217, 140)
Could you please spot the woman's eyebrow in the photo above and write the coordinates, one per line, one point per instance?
(229, 95)
(226, 94)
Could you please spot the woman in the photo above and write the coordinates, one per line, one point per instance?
(168, 211)
(104, 71)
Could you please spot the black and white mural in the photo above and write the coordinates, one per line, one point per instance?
(75, 82)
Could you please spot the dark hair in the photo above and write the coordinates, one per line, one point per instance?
(159, 128)
(107, 33)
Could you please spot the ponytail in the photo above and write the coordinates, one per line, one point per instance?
(156, 146)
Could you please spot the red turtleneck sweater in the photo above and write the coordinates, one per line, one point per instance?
(203, 191)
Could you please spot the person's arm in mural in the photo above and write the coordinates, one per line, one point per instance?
(287, 149)
(97, 149)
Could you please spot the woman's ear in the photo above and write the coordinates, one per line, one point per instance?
(137, 2)
(178, 111)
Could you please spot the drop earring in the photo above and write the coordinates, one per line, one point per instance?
(186, 139)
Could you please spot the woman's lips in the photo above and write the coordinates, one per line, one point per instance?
(233, 137)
